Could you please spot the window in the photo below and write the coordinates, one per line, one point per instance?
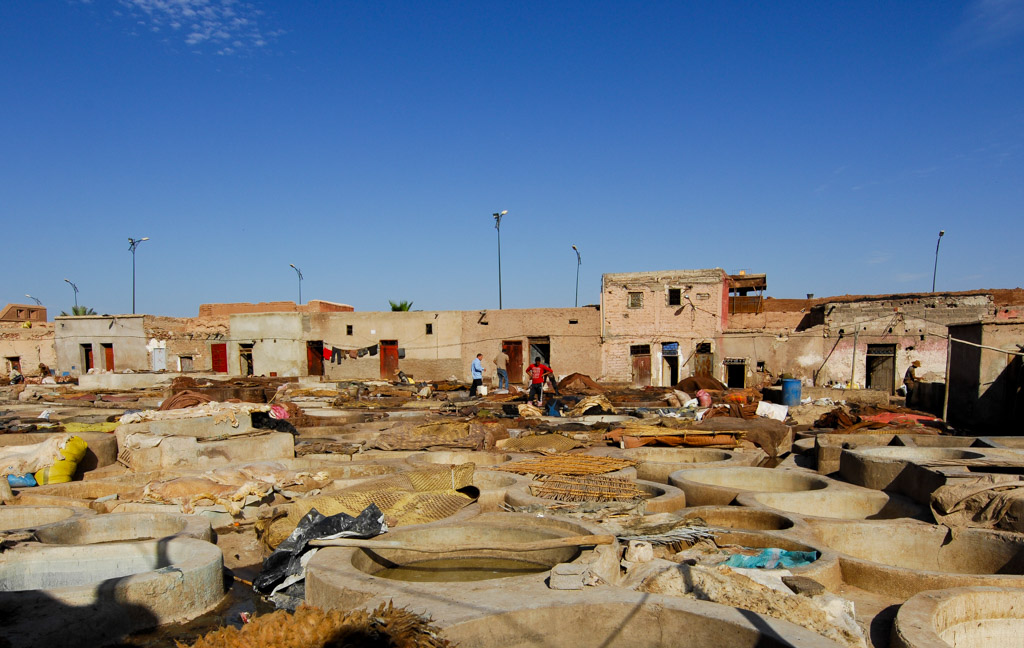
(640, 349)
(430, 329)
(675, 297)
(348, 329)
(635, 300)
(703, 296)
(574, 321)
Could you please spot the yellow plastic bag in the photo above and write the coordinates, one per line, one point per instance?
(64, 469)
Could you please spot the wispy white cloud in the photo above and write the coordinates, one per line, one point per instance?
(907, 277)
(878, 257)
(989, 23)
(222, 26)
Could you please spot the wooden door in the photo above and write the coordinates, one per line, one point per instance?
(108, 357)
(641, 370)
(514, 349)
(388, 359)
(702, 363)
(315, 358)
(219, 357)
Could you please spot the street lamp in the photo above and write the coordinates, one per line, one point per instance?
(75, 288)
(38, 303)
(298, 272)
(579, 261)
(497, 226)
(132, 244)
(936, 269)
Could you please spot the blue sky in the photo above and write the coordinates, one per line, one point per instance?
(825, 144)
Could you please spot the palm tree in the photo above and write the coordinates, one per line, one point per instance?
(78, 311)
(400, 306)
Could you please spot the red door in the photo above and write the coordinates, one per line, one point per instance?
(315, 358)
(219, 356)
(388, 359)
(514, 349)
(87, 355)
(108, 356)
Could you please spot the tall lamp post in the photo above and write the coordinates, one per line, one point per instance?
(936, 269)
(132, 244)
(497, 226)
(35, 299)
(579, 261)
(75, 288)
(298, 272)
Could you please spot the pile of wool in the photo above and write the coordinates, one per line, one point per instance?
(311, 627)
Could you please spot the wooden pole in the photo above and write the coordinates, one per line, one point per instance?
(407, 545)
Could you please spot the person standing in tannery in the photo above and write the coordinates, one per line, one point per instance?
(910, 379)
(476, 370)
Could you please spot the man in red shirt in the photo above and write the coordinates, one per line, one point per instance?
(537, 371)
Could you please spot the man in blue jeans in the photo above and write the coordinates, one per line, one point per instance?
(501, 361)
(476, 370)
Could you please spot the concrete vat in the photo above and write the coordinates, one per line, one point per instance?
(735, 517)
(346, 577)
(115, 527)
(80, 596)
(896, 468)
(23, 518)
(963, 617)
(839, 503)
(722, 485)
(629, 619)
(901, 558)
(656, 464)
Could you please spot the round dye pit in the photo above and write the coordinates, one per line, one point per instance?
(843, 504)
(630, 620)
(922, 455)
(656, 464)
(720, 486)
(448, 570)
(966, 617)
(16, 518)
(347, 577)
(114, 527)
(736, 517)
(379, 562)
(89, 595)
(903, 558)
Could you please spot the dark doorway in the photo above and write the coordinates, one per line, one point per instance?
(388, 359)
(670, 363)
(15, 362)
(108, 356)
(735, 373)
(315, 357)
(540, 346)
(640, 355)
(703, 359)
(881, 367)
(87, 359)
(219, 357)
(514, 349)
(245, 359)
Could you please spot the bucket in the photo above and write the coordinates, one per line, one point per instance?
(790, 392)
(482, 391)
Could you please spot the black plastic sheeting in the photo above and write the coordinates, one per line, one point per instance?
(287, 565)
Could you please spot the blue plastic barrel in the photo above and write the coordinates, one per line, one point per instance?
(790, 392)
